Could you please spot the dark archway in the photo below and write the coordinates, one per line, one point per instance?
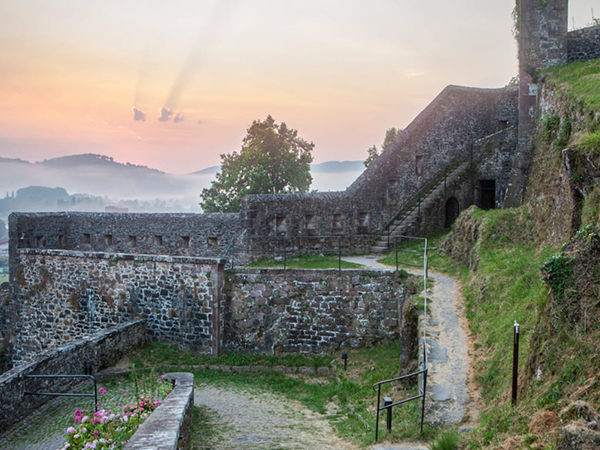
(452, 211)
(487, 194)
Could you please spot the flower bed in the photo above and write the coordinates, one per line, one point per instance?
(122, 413)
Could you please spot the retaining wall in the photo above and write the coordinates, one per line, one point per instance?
(584, 44)
(103, 348)
(275, 311)
(60, 296)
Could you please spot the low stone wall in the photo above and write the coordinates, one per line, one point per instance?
(275, 311)
(62, 295)
(104, 349)
(584, 44)
(169, 427)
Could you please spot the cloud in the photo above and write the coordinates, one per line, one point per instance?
(165, 114)
(179, 118)
(138, 114)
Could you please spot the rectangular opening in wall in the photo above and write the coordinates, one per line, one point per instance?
(62, 240)
(364, 222)
(487, 194)
(158, 240)
(39, 241)
(502, 124)
(133, 241)
(309, 222)
(338, 223)
(280, 226)
(185, 242)
(419, 165)
(212, 243)
(86, 238)
(108, 239)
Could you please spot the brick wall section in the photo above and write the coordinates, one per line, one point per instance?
(169, 427)
(443, 133)
(274, 311)
(104, 348)
(584, 44)
(61, 295)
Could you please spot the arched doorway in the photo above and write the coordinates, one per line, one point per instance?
(452, 211)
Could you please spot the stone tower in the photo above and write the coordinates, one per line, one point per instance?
(543, 26)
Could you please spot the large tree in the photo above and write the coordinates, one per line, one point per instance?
(273, 160)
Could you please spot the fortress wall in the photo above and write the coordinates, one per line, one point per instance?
(60, 296)
(443, 133)
(103, 348)
(206, 235)
(274, 311)
(584, 44)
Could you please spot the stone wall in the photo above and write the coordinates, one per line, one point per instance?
(103, 348)
(275, 311)
(62, 295)
(169, 427)
(584, 44)
(206, 235)
(445, 132)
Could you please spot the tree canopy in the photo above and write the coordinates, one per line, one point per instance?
(391, 135)
(273, 160)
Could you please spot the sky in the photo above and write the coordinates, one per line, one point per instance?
(340, 72)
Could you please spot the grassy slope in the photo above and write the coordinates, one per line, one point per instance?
(305, 262)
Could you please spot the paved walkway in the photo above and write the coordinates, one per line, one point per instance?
(449, 398)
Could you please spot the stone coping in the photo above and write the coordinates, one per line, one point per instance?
(142, 258)
(169, 425)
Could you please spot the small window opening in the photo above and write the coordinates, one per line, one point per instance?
(61, 239)
(133, 241)
(39, 241)
(185, 241)
(280, 225)
(158, 240)
(338, 223)
(419, 165)
(87, 238)
(108, 239)
(212, 243)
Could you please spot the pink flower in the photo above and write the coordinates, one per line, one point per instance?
(102, 390)
(71, 430)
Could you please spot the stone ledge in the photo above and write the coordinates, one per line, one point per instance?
(170, 425)
(142, 258)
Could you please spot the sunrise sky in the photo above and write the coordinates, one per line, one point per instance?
(339, 71)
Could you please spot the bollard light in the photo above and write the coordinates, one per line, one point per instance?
(387, 401)
(345, 359)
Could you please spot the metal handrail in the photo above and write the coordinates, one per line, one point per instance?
(59, 394)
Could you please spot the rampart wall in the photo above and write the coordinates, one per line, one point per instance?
(583, 44)
(60, 296)
(103, 348)
(445, 132)
(275, 311)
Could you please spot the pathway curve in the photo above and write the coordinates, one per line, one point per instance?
(449, 400)
(257, 420)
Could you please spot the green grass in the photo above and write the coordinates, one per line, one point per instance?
(305, 262)
(352, 392)
(158, 354)
(411, 251)
(3, 278)
(579, 80)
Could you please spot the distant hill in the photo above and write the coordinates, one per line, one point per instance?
(93, 160)
(208, 171)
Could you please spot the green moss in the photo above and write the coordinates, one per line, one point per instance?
(580, 81)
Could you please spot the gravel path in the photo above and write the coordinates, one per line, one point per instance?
(256, 420)
(449, 397)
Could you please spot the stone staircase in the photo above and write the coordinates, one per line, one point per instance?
(408, 215)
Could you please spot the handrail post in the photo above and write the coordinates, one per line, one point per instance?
(377, 418)
(284, 254)
(340, 253)
(424, 394)
(388, 236)
(396, 244)
(419, 211)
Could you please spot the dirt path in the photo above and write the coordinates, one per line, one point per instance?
(257, 420)
(452, 397)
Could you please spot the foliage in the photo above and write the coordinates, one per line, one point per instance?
(108, 430)
(391, 135)
(447, 441)
(273, 160)
(580, 81)
(590, 142)
(3, 233)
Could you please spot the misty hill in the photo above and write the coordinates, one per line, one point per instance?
(337, 167)
(207, 171)
(94, 160)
